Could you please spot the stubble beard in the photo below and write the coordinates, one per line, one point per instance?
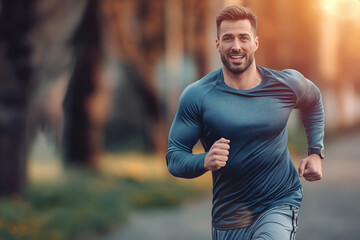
(237, 68)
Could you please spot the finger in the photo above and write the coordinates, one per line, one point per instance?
(309, 177)
(223, 140)
(312, 175)
(310, 171)
(222, 158)
(214, 167)
(217, 165)
(221, 152)
(301, 168)
(313, 178)
(222, 146)
(221, 163)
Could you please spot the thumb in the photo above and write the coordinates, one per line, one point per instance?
(223, 140)
(302, 168)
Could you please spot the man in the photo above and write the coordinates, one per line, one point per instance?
(239, 113)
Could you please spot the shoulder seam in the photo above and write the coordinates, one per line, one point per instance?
(203, 97)
(287, 85)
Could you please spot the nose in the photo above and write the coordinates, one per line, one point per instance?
(236, 45)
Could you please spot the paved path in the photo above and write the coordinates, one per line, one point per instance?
(330, 209)
(191, 222)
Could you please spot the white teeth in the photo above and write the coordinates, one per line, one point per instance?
(236, 57)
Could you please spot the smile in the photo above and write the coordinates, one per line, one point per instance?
(237, 56)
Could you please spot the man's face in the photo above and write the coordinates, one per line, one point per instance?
(237, 45)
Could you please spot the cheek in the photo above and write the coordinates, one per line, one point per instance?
(250, 47)
(224, 47)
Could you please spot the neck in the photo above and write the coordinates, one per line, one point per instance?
(248, 79)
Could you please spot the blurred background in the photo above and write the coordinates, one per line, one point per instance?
(88, 91)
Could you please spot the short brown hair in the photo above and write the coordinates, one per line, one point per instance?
(236, 13)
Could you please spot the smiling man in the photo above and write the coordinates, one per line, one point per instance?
(239, 113)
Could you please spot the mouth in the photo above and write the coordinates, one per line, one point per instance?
(237, 56)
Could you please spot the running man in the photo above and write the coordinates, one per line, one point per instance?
(239, 112)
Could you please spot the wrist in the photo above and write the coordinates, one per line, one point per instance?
(318, 151)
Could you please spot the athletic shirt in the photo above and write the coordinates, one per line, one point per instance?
(259, 173)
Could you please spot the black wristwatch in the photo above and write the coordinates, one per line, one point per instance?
(319, 151)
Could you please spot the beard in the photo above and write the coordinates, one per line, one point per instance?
(237, 68)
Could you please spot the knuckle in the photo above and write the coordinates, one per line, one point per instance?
(214, 167)
(214, 151)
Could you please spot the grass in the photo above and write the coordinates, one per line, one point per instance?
(81, 202)
(84, 202)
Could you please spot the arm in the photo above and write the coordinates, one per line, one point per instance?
(184, 133)
(312, 116)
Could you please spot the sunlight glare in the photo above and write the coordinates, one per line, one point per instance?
(342, 8)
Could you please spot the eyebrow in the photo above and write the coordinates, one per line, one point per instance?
(231, 35)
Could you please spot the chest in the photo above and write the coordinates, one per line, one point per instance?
(238, 116)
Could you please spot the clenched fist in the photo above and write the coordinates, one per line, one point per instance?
(218, 155)
(310, 168)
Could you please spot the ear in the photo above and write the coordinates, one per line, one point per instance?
(217, 41)
(256, 42)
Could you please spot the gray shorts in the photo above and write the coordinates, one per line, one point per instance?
(278, 223)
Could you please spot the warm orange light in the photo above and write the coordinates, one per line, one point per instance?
(341, 8)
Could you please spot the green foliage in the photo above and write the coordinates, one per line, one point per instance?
(82, 202)
(297, 142)
(153, 195)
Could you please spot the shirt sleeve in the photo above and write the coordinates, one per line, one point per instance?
(184, 134)
(309, 102)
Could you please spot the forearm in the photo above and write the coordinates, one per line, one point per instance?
(184, 164)
(313, 120)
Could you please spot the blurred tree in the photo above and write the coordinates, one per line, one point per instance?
(135, 37)
(16, 20)
(81, 134)
(143, 35)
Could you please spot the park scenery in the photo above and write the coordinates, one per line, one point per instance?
(88, 92)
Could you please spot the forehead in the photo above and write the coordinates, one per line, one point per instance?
(235, 27)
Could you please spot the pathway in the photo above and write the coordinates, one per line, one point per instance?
(330, 209)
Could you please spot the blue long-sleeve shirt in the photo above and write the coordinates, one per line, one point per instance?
(259, 172)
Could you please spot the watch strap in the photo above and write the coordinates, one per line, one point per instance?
(319, 151)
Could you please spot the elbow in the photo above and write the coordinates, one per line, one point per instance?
(174, 168)
(180, 174)
(170, 165)
(173, 172)
(179, 166)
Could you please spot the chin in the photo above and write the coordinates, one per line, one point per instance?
(237, 70)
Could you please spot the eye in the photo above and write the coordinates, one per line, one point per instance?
(244, 38)
(227, 38)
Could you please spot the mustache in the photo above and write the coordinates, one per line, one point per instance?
(234, 51)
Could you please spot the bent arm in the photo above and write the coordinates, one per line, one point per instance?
(309, 102)
(184, 133)
(312, 115)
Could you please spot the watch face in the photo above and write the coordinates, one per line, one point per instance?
(322, 152)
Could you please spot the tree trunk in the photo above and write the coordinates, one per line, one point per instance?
(81, 145)
(16, 20)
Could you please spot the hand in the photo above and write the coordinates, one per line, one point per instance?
(310, 168)
(218, 155)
